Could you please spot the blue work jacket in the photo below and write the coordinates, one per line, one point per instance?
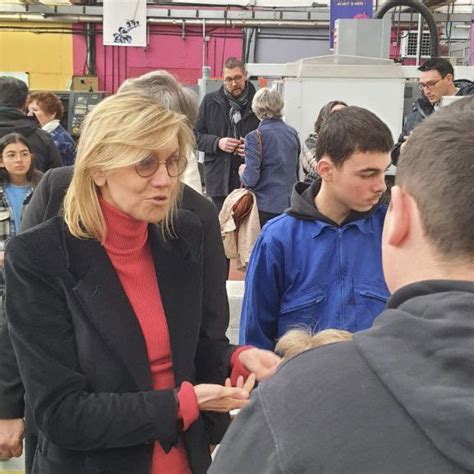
(310, 273)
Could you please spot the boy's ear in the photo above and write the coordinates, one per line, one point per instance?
(397, 223)
(325, 168)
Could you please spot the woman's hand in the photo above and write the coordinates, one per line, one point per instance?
(213, 397)
(12, 433)
(248, 384)
(261, 362)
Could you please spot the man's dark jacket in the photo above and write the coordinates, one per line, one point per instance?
(213, 123)
(46, 203)
(399, 398)
(420, 110)
(44, 150)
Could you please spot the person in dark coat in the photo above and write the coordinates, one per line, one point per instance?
(436, 81)
(399, 397)
(46, 202)
(13, 96)
(125, 367)
(225, 118)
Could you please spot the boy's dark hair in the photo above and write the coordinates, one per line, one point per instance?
(234, 62)
(436, 167)
(33, 175)
(13, 92)
(352, 130)
(443, 66)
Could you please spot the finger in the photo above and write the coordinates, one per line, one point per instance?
(17, 451)
(240, 381)
(250, 382)
(228, 404)
(227, 382)
(234, 392)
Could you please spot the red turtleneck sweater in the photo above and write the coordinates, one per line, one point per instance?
(127, 246)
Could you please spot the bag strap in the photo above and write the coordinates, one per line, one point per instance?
(260, 143)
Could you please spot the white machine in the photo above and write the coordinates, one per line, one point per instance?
(379, 85)
(309, 84)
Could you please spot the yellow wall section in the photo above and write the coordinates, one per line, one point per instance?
(46, 57)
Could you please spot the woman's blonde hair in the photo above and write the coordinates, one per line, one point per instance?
(299, 340)
(121, 131)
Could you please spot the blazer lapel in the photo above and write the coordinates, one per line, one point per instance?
(104, 301)
(179, 275)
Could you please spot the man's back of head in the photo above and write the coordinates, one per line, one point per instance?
(432, 215)
(13, 92)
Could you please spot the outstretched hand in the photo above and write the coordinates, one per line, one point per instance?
(220, 398)
(261, 362)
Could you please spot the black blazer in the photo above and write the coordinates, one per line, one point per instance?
(82, 356)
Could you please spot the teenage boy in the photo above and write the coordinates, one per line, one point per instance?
(319, 264)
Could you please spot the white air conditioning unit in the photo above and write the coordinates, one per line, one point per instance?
(409, 44)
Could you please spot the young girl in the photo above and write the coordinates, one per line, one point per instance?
(18, 177)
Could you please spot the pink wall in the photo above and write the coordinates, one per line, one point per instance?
(167, 50)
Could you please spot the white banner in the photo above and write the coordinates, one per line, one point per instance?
(124, 22)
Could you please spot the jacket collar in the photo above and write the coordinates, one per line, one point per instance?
(364, 225)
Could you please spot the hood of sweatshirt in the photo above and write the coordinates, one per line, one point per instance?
(422, 349)
(13, 120)
(303, 205)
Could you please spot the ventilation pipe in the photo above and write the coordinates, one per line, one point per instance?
(423, 10)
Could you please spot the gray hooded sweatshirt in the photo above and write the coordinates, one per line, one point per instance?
(397, 399)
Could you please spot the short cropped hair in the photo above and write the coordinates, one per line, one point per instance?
(352, 130)
(13, 92)
(443, 66)
(164, 88)
(267, 103)
(48, 102)
(121, 131)
(296, 341)
(463, 104)
(234, 62)
(436, 167)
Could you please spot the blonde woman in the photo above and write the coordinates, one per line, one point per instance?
(105, 308)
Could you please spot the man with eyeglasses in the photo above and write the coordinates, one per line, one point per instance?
(436, 80)
(225, 117)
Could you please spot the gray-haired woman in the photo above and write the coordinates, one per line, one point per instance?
(271, 156)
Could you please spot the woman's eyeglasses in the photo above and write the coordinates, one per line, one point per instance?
(148, 166)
